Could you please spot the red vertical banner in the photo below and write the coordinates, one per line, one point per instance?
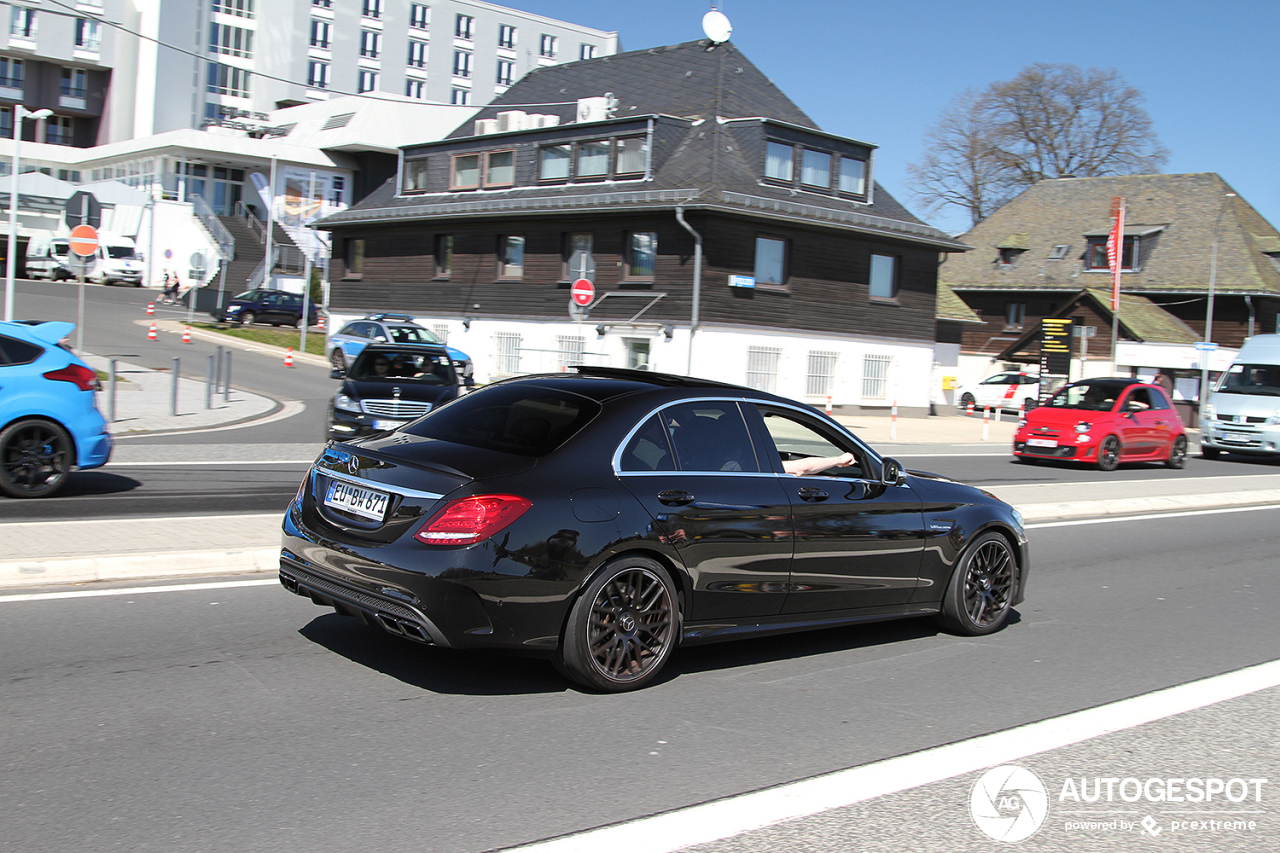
(1115, 249)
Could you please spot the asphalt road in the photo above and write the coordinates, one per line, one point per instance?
(244, 718)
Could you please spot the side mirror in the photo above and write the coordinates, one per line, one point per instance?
(891, 472)
(337, 373)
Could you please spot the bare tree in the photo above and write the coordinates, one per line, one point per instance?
(1050, 121)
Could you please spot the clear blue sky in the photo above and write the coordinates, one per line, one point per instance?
(883, 72)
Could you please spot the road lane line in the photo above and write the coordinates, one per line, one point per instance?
(721, 819)
(134, 590)
(1076, 522)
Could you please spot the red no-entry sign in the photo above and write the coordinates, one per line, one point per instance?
(84, 240)
(582, 292)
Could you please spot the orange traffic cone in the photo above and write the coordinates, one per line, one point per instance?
(151, 335)
(320, 323)
(969, 410)
(186, 335)
(288, 358)
(151, 308)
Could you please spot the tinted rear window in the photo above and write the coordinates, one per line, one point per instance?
(521, 419)
(14, 351)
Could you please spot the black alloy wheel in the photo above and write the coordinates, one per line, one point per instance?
(967, 400)
(1177, 453)
(35, 458)
(623, 627)
(247, 318)
(982, 588)
(1109, 454)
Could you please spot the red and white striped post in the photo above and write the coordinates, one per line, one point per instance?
(828, 404)
(893, 421)
(986, 422)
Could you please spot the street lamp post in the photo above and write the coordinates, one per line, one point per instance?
(19, 113)
(1208, 312)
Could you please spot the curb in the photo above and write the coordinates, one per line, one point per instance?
(171, 564)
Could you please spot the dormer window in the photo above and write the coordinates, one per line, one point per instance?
(819, 171)
(1139, 240)
(1096, 255)
(1059, 252)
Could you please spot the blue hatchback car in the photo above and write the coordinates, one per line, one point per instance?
(49, 421)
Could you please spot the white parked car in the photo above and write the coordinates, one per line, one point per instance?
(1007, 390)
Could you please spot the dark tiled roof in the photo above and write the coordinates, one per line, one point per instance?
(695, 80)
(1140, 320)
(952, 307)
(711, 112)
(1180, 213)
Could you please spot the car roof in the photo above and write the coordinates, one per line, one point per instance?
(606, 383)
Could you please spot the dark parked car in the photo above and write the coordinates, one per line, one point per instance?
(602, 518)
(49, 420)
(389, 385)
(277, 307)
(1104, 422)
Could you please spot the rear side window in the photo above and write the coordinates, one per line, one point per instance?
(649, 449)
(523, 419)
(709, 436)
(14, 351)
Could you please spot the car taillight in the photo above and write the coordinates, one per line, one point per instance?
(469, 520)
(76, 374)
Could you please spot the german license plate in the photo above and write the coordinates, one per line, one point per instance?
(1042, 442)
(365, 503)
(1235, 436)
(381, 424)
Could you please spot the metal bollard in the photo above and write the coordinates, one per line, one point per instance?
(111, 391)
(217, 373)
(208, 384)
(177, 364)
(226, 381)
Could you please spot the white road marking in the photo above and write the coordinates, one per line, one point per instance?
(134, 590)
(1077, 522)
(720, 819)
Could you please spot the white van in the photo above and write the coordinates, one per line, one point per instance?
(1243, 412)
(117, 261)
(47, 257)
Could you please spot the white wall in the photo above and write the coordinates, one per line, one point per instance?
(179, 233)
(719, 353)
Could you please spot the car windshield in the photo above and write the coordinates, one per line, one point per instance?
(427, 368)
(524, 419)
(119, 252)
(1260, 379)
(412, 335)
(1092, 396)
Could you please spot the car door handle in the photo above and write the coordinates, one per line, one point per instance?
(810, 493)
(674, 497)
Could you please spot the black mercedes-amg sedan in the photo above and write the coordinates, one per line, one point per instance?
(604, 517)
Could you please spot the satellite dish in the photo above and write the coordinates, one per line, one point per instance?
(716, 26)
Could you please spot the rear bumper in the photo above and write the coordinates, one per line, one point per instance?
(395, 617)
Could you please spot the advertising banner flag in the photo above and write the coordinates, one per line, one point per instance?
(1115, 250)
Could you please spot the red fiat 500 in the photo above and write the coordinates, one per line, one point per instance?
(1104, 422)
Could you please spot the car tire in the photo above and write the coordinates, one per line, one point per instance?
(1030, 403)
(35, 458)
(1109, 454)
(337, 359)
(622, 628)
(982, 588)
(247, 318)
(967, 400)
(1210, 452)
(1177, 453)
